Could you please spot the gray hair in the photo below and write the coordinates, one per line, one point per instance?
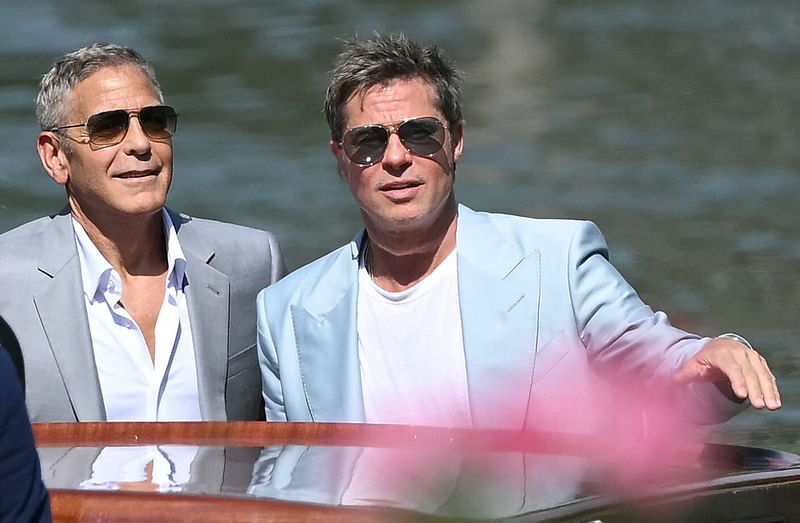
(52, 102)
(379, 60)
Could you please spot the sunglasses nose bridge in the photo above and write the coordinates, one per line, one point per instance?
(392, 128)
(140, 131)
(395, 150)
(135, 114)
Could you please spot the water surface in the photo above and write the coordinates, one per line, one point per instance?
(672, 124)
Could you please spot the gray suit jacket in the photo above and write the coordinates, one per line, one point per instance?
(542, 312)
(42, 301)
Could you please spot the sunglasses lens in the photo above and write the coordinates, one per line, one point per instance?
(365, 145)
(422, 136)
(107, 128)
(158, 122)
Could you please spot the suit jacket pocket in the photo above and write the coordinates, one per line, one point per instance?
(242, 361)
(548, 356)
(243, 400)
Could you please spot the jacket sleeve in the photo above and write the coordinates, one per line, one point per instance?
(624, 337)
(268, 361)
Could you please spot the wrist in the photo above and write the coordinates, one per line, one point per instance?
(735, 337)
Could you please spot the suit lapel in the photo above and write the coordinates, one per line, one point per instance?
(327, 343)
(207, 296)
(62, 311)
(499, 299)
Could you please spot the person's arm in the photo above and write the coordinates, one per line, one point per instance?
(623, 336)
(268, 361)
(278, 263)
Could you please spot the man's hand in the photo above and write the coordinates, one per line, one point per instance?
(731, 363)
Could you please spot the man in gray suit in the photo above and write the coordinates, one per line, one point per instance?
(124, 309)
(438, 314)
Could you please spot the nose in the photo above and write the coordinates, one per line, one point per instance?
(396, 155)
(136, 141)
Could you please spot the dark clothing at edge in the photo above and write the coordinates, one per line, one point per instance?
(23, 497)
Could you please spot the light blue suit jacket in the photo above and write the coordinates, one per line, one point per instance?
(543, 313)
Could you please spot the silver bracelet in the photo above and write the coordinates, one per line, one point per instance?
(736, 337)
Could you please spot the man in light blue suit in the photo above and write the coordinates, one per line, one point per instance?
(124, 309)
(440, 315)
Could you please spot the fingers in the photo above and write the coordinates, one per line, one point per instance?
(744, 368)
(749, 375)
(764, 383)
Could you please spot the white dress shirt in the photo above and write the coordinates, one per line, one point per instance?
(134, 386)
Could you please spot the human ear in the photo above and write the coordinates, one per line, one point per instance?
(457, 136)
(341, 162)
(53, 156)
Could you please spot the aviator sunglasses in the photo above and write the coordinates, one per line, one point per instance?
(421, 136)
(110, 127)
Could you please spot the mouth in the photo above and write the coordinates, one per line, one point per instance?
(400, 185)
(136, 174)
(401, 191)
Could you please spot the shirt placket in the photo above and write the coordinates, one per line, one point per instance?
(167, 335)
(138, 345)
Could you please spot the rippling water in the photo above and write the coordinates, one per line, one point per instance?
(672, 124)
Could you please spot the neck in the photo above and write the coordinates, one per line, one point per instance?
(397, 263)
(133, 246)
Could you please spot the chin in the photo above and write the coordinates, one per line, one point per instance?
(408, 222)
(145, 208)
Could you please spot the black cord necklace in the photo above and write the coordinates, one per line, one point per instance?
(366, 253)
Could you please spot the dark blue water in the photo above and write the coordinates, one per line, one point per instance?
(672, 124)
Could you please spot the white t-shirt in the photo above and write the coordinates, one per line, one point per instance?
(411, 351)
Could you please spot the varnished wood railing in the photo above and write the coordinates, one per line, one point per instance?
(70, 505)
(95, 507)
(73, 505)
(260, 434)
